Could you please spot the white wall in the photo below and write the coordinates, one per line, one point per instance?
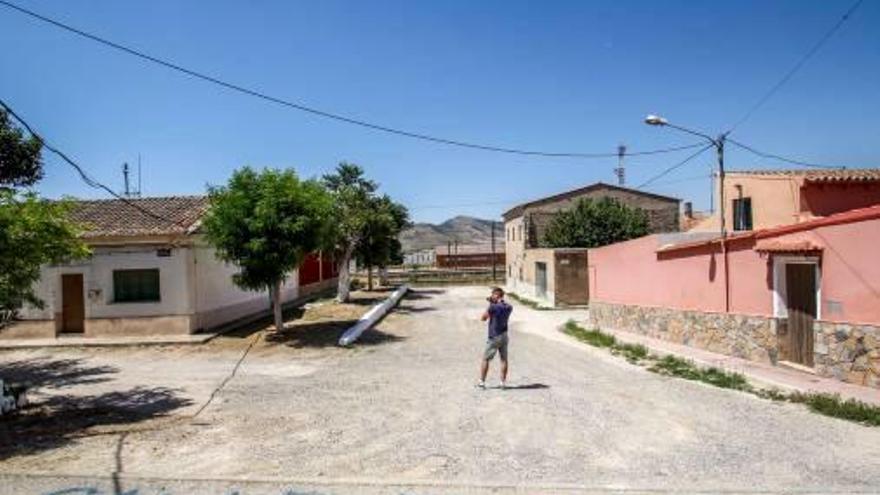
(97, 272)
(218, 300)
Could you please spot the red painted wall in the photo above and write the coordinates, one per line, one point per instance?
(310, 270)
(827, 199)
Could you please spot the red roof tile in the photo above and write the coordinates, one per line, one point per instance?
(118, 218)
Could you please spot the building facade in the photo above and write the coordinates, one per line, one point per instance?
(148, 277)
(558, 276)
(761, 199)
(454, 255)
(805, 294)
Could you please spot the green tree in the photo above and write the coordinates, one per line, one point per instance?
(380, 246)
(266, 223)
(20, 160)
(353, 201)
(33, 233)
(594, 223)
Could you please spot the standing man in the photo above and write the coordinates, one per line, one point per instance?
(498, 314)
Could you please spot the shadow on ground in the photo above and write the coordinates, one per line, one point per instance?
(59, 418)
(326, 334)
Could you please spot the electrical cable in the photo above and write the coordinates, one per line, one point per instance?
(797, 66)
(676, 166)
(82, 173)
(782, 158)
(323, 113)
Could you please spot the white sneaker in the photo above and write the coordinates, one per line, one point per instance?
(481, 385)
(503, 385)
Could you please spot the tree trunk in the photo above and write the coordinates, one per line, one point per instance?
(370, 277)
(276, 306)
(343, 288)
(383, 276)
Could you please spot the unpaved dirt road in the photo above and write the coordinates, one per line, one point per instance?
(399, 414)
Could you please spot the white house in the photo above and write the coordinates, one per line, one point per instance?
(148, 276)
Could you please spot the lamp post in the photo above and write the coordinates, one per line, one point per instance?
(718, 144)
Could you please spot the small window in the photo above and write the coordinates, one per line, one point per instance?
(136, 285)
(742, 214)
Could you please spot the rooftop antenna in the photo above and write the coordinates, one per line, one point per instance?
(127, 192)
(620, 172)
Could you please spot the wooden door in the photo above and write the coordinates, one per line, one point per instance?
(800, 287)
(571, 285)
(73, 306)
(541, 279)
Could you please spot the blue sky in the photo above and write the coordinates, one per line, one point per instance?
(555, 76)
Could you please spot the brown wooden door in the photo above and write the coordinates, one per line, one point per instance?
(800, 286)
(73, 306)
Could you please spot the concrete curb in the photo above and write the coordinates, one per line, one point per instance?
(373, 315)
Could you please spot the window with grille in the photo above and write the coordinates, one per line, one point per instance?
(136, 285)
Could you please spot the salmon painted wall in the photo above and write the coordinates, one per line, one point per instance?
(634, 273)
(850, 271)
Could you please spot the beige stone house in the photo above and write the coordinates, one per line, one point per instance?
(147, 276)
(559, 277)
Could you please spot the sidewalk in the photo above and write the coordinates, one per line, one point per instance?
(760, 374)
(78, 341)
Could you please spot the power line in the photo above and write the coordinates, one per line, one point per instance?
(782, 158)
(322, 113)
(797, 66)
(82, 173)
(675, 167)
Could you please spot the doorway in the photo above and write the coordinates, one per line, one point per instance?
(541, 279)
(797, 296)
(801, 288)
(73, 305)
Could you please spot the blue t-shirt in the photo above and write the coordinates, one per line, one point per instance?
(499, 313)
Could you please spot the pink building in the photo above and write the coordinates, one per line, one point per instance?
(805, 294)
(760, 199)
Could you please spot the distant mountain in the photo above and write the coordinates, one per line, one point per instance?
(467, 230)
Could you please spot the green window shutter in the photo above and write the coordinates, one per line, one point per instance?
(136, 285)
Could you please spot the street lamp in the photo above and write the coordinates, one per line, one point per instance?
(718, 144)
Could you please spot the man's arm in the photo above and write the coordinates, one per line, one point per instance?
(486, 314)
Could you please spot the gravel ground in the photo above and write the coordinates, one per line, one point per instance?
(398, 413)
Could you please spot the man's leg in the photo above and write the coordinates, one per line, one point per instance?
(502, 353)
(484, 370)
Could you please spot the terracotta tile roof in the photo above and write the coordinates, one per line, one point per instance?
(820, 175)
(118, 218)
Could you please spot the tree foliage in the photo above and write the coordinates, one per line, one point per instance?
(266, 223)
(20, 160)
(33, 233)
(379, 246)
(353, 201)
(593, 223)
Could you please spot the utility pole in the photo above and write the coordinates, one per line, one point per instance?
(620, 172)
(718, 144)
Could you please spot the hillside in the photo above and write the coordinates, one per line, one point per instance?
(467, 230)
